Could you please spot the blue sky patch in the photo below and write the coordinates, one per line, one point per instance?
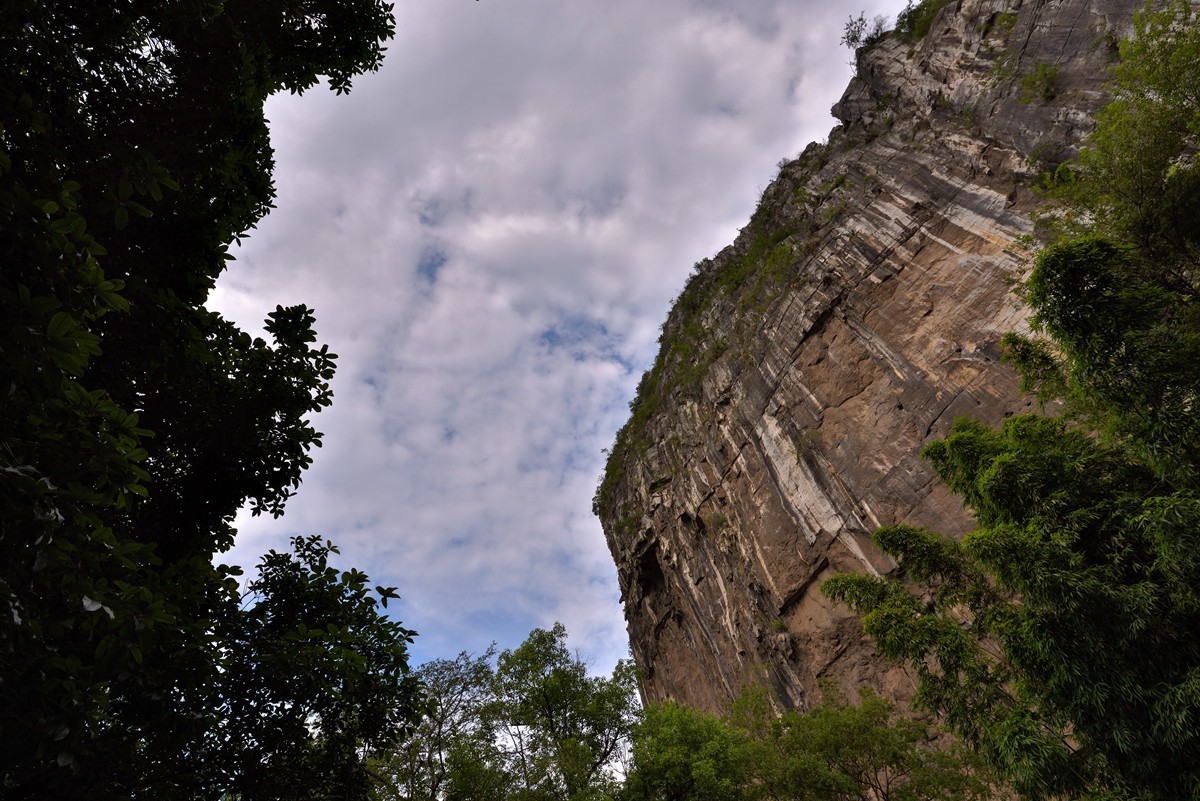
(431, 263)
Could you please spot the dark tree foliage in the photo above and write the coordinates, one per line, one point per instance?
(311, 650)
(1063, 636)
(1120, 347)
(133, 151)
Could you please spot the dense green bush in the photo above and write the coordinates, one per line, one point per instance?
(836, 751)
(136, 423)
(915, 20)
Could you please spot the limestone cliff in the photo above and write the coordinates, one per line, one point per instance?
(855, 317)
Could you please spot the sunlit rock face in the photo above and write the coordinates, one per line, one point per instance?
(855, 317)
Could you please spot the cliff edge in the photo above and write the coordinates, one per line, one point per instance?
(854, 318)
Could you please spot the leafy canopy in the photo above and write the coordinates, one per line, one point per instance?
(136, 423)
(533, 725)
(1062, 637)
(836, 751)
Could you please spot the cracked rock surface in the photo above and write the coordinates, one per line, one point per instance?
(855, 317)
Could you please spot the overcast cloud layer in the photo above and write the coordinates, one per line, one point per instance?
(490, 230)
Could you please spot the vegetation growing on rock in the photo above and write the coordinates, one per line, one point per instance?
(1061, 639)
(914, 22)
(885, 329)
(740, 281)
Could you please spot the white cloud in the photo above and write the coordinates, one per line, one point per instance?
(490, 230)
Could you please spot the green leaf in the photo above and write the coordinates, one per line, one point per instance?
(63, 225)
(62, 325)
(138, 208)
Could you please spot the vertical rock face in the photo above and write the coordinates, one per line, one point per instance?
(855, 317)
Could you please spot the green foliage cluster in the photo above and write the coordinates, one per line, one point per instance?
(312, 678)
(687, 349)
(857, 36)
(836, 751)
(1137, 178)
(1005, 22)
(532, 726)
(915, 20)
(1078, 575)
(1063, 636)
(1040, 86)
(136, 423)
(1045, 157)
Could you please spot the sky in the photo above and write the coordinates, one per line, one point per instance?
(491, 229)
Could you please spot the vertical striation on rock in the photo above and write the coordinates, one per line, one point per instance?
(855, 317)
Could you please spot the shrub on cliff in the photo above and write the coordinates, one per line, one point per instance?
(914, 21)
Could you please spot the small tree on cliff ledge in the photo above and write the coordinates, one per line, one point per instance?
(1063, 637)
